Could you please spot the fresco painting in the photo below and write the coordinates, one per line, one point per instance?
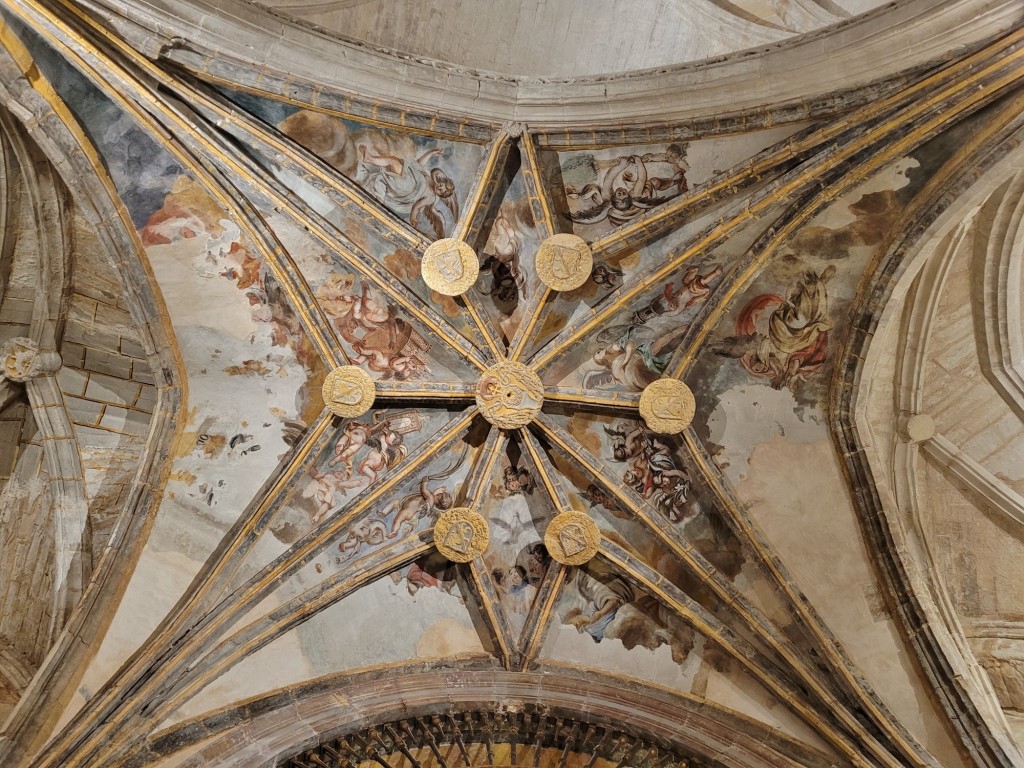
(604, 621)
(348, 636)
(608, 187)
(357, 456)
(420, 179)
(373, 330)
(506, 262)
(655, 468)
(700, 272)
(779, 333)
(518, 510)
(252, 350)
(636, 346)
(353, 232)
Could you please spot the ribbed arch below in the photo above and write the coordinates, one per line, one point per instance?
(354, 716)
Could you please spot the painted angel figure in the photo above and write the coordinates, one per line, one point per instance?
(502, 259)
(631, 356)
(426, 196)
(629, 188)
(427, 501)
(784, 340)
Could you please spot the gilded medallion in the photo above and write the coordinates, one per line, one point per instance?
(509, 395)
(667, 406)
(564, 262)
(461, 534)
(572, 538)
(348, 391)
(449, 266)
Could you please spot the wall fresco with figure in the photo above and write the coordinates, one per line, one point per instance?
(640, 340)
(518, 510)
(608, 187)
(422, 180)
(508, 280)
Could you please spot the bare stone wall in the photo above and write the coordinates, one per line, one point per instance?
(106, 381)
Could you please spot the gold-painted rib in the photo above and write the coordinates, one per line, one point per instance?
(495, 443)
(315, 223)
(481, 194)
(402, 124)
(722, 589)
(541, 614)
(545, 219)
(531, 316)
(482, 326)
(195, 674)
(421, 390)
(472, 221)
(863, 172)
(604, 399)
(274, 254)
(761, 669)
(1008, 114)
(557, 494)
(1007, 64)
(654, 223)
(482, 588)
(539, 620)
(492, 614)
(536, 192)
(76, 742)
(231, 554)
(127, 556)
(337, 187)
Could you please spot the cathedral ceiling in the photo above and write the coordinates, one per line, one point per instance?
(566, 39)
(226, 572)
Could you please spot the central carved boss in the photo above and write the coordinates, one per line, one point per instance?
(509, 395)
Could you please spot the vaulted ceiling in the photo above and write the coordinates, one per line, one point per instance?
(208, 207)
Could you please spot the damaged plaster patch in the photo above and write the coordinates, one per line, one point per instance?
(752, 414)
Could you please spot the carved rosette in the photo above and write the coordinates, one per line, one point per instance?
(21, 360)
(348, 391)
(564, 262)
(449, 266)
(461, 534)
(509, 395)
(572, 538)
(667, 406)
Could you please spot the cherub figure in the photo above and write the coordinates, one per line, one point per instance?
(322, 489)
(619, 198)
(518, 480)
(606, 274)
(387, 449)
(503, 260)
(416, 505)
(427, 502)
(370, 532)
(631, 357)
(405, 184)
(628, 187)
(675, 157)
(353, 437)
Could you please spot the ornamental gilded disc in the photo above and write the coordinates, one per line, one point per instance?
(667, 405)
(449, 266)
(461, 534)
(572, 538)
(509, 395)
(564, 262)
(348, 391)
